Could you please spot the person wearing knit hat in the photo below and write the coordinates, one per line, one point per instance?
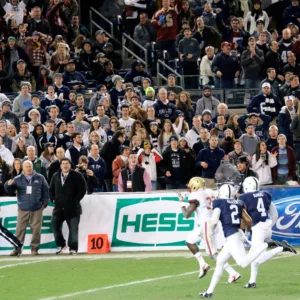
(207, 120)
(35, 119)
(149, 99)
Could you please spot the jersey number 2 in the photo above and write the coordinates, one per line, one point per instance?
(235, 212)
(261, 208)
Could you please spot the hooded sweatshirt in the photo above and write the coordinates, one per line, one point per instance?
(21, 104)
(136, 77)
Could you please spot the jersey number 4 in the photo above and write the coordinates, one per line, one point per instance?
(261, 208)
(235, 212)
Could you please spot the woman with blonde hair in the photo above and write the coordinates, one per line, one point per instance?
(76, 44)
(59, 59)
(137, 124)
(142, 134)
(135, 143)
(165, 134)
(11, 131)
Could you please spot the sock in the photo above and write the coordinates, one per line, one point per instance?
(216, 278)
(200, 259)
(268, 254)
(253, 254)
(254, 272)
(227, 266)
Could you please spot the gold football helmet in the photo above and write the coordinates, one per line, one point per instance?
(196, 183)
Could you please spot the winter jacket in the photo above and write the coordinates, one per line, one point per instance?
(284, 121)
(7, 53)
(189, 46)
(38, 166)
(252, 20)
(17, 79)
(72, 79)
(67, 197)
(209, 37)
(144, 33)
(252, 65)
(29, 141)
(213, 158)
(265, 104)
(12, 118)
(42, 26)
(272, 60)
(164, 111)
(136, 77)
(53, 15)
(206, 73)
(274, 86)
(263, 170)
(291, 14)
(39, 195)
(207, 103)
(29, 50)
(43, 140)
(295, 128)
(149, 163)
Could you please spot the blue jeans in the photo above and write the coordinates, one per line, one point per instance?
(154, 185)
(57, 221)
(224, 84)
(252, 83)
(115, 188)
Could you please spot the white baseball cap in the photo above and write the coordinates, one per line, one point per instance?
(266, 84)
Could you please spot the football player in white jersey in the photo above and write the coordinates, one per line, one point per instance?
(200, 202)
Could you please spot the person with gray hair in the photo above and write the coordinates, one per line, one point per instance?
(163, 108)
(33, 197)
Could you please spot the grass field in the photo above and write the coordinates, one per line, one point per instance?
(138, 276)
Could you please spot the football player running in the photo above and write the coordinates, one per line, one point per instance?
(230, 212)
(200, 202)
(259, 206)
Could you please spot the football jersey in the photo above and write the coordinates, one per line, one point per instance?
(257, 204)
(231, 214)
(204, 198)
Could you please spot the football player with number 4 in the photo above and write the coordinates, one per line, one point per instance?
(259, 206)
(200, 202)
(230, 212)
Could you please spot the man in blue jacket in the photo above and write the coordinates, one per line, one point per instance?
(33, 196)
(73, 79)
(137, 73)
(209, 159)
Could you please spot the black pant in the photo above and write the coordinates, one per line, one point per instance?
(9, 237)
(57, 221)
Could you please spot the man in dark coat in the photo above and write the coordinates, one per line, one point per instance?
(67, 189)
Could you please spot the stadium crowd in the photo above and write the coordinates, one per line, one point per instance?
(49, 60)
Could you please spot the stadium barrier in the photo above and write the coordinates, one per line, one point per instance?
(143, 221)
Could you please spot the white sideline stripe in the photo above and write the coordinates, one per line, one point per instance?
(23, 263)
(133, 283)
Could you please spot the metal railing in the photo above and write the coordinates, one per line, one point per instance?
(125, 49)
(93, 23)
(160, 63)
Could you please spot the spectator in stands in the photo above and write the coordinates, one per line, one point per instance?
(12, 54)
(208, 101)
(252, 62)
(286, 162)
(118, 91)
(4, 78)
(37, 22)
(225, 67)
(165, 21)
(233, 124)
(262, 163)
(5, 153)
(210, 18)
(163, 108)
(148, 158)
(98, 166)
(219, 128)
(206, 74)
(35, 104)
(57, 18)
(38, 165)
(135, 110)
(136, 74)
(283, 90)
(292, 65)
(285, 117)
(259, 121)
(272, 80)
(203, 141)
(144, 34)
(221, 7)
(272, 60)
(109, 152)
(291, 13)
(250, 139)
(227, 142)
(59, 88)
(134, 178)
(237, 152)
(265, 102)
(262, 44)
(271, 142)
(101, 39)
(43, 79)
(189, 52)
(80, 125)
(22, 75)
(107, 74)
(55, 166)
(53, 115)
(125, 121)
(193, 135)
(210, 159)
(98, 68)
(285, 45)
(80, 104)
(149, 99)
(118, 164)
(75, 28)
(261, 28)
(48, 156)
(67, 189)
(295, 127)
(222, 109)
(48, 137)
(180, 35)
(243, 166)
(294, 89)
(59, 59)
(22, 102)
(186, 14)
(184, 105)
(76, 150)
(20, 151)
(26, 136)
(256, 14)
(31, 205)
(8, 115)
(51, 100)
(72, 79)
(86, 56)
(165, 135)
(113, 56)
(171, 85)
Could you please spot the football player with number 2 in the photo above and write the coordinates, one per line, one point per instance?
(230, 212)
(259, 206)
(200, 202)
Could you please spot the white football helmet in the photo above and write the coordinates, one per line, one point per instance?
(226, 191)
(251, 184)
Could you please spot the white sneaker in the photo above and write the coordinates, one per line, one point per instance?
(61, 250)
(234, 278)
(72, 252)
(203, 270)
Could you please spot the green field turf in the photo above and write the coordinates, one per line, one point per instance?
(140, 276)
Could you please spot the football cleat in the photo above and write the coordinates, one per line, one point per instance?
(234, 278)
(205, 295)
(287, 247)
(203, 270)
(250, 285)
(272, 244)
